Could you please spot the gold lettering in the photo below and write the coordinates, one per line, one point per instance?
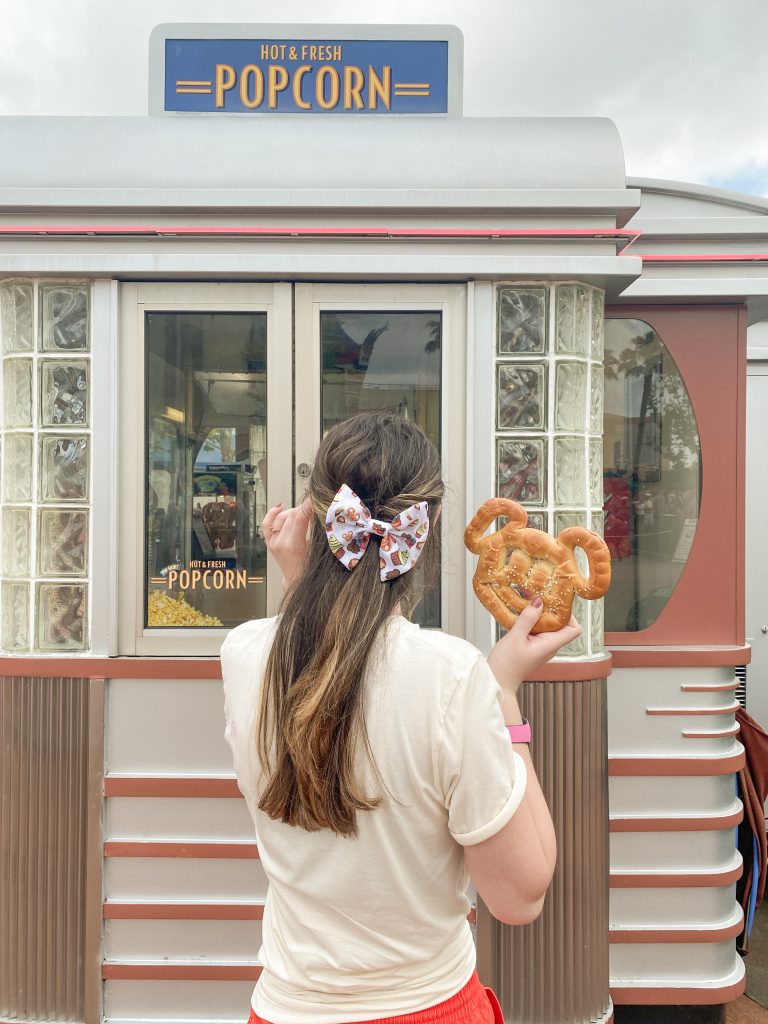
(225, 80)
(277, 80)
(242, 578)
(336, 53)
(313, 53)
(195, 577)
(184, 579)
(379, 88)
(206, 576)
(251, 95)
(304, 49)
(172, 577)
(218, 579)
(264, 51)
(353, 83)
(298, 75)
(333, 76)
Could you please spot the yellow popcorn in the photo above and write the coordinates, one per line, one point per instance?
(164, 610)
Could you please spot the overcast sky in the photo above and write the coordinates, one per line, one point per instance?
(686, 81)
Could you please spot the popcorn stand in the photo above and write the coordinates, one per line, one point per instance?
(303, 227)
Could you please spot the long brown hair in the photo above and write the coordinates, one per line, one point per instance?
(311, 722)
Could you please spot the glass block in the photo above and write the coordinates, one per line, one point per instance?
(521, 320)
(570, 396)
(521, 396)
(64, 464)
(62, 543)
(17, 393)
(598, 323)
(64, 393)
(596, 400)
(598, 522)
(597, 625)
(64, 317)
(570, 482)
(14, 620)
(17, 480)
(596, 470)
(578, 648)
(520, 470)
(537, 520)
(61, 612)
(17, 528)
(16, 316)
(572, 311)
(564, 519)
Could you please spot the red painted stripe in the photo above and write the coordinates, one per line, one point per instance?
(186, 849)
(715, 688)
(617, 936)
(183, 911)
(295, 231)
(675, 766)
(180, 972)
(675, 880)
(683, 824)
(731, 709)
(730, 731)
(632, 995)
(677, 657)
(170, 786)
(704, 257)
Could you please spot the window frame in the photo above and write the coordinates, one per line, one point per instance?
(137, 299)
(708, 344)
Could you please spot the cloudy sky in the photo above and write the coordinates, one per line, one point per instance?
(686, 81)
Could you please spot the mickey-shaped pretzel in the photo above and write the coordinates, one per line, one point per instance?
(518, 563)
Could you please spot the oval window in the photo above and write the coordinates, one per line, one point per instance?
(651, 475)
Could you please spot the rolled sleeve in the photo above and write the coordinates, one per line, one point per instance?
(481, 777)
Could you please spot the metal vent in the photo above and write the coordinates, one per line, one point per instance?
(741, 690)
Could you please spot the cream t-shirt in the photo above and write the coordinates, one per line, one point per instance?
(376, 925)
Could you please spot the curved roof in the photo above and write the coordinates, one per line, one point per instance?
(312, 152)
(682, 198)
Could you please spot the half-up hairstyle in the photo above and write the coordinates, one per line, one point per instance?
(311, 724)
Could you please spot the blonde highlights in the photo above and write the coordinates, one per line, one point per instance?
(311, 727)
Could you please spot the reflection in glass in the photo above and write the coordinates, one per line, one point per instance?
(522, 318)
(61, 615)
(64, 316)
(64, 468)
(520, 470)
(206, 468)
(521, 396)
(652, 474)
(387, 360)
(64, 393)
(16, 316)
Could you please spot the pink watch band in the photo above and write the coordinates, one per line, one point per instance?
(520, 733)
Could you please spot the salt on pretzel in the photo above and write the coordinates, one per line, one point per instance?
(517, 563)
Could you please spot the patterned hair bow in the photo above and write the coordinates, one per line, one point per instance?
(349, 526)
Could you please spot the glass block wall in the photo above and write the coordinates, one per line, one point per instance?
(549, 416)
(45, 466)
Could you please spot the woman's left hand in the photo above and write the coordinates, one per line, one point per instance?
(285, 534)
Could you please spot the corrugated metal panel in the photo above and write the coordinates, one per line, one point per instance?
(43, 838)
(570, 939)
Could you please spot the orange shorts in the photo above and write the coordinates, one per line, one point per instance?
(472, 1005)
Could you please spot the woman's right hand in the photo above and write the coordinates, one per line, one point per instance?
(285, 534)
(519, 652)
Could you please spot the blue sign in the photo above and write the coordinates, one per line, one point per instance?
(306, 76)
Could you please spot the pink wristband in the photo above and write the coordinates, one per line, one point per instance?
(520, 733)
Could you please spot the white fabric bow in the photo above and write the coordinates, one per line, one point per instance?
(349, 526)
